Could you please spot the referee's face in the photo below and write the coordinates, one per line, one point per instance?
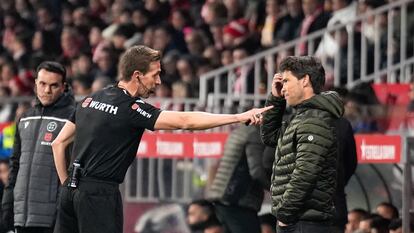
(150, 80)
(49, 87)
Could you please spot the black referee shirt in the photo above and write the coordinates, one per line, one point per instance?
(109, 127)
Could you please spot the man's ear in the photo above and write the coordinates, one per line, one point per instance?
(306, 81)
(137, 74)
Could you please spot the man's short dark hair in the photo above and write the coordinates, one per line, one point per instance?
(395, 213)
(137, 58)
(53, 67)
(363, 213)
(305, 65)
(5, 161)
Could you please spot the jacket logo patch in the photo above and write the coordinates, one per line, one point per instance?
(135, 106)
(51, 126)
(86, 102)
(310, 138)
(48, 137)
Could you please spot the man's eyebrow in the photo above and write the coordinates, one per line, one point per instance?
(51, 83)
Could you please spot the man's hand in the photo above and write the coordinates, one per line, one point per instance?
(281, 224)
(253, 116)
(277, 85)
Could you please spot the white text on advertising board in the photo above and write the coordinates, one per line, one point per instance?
(377, 152)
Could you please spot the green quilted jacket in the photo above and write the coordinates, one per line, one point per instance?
(304, 174)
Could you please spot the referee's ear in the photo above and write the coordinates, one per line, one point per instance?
(137, 74)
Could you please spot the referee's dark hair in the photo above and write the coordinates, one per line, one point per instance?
(53, 67)
(136, 58)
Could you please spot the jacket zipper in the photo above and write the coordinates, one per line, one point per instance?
(35, 140)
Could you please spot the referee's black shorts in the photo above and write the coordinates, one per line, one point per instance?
(95, 206)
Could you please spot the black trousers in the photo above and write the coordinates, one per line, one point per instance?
(34, 230)
(95, 206)
(238, 219)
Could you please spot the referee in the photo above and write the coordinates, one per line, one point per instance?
(106, 130)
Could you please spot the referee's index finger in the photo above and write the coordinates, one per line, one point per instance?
(262, 110)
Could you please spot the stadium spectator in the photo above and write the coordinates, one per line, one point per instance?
(374, 223)
(343, 11)
(100, 83)
(244, 77)
(355, 216)
(315, 19)
(289, 25)
(6, 109)
(387, 210)
(82, 85)
(4, 173)
(201, 216)
(272, 24)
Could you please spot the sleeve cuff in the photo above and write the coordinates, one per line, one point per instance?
(273, 100)
(285, 219)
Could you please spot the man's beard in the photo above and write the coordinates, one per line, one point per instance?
(148, 92)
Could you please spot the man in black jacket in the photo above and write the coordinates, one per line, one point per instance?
(238, 187)
(33, 185)
(346, 166)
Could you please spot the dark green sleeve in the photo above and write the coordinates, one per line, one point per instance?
(272, 120)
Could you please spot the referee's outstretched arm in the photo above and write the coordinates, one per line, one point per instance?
(203, 120)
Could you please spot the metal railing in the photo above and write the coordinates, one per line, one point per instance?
(396, 66)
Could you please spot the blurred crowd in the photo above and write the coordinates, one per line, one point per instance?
(195, 36)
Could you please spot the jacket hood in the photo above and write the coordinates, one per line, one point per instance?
(328, 101)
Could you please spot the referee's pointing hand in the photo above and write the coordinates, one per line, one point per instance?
(253, 116)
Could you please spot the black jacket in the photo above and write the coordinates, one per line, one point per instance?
(33, 182)
(347, 163)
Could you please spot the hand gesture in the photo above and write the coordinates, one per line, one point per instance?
(253, 116)
(277, 85)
